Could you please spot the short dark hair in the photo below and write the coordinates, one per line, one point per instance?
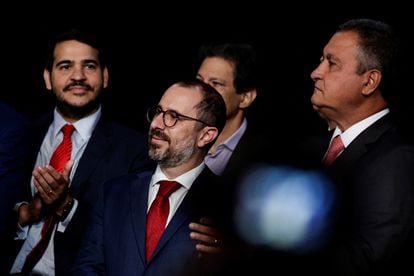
(211, 109)
(379, 49)
(83, 35)
(242, 55)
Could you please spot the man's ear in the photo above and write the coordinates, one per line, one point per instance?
(248, 98)
(371, 81)
(46, 78)
(206, 136)
(105, 77)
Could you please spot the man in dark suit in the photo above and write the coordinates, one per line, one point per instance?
(184, 124)
(13, 154)
(373, 171)
(76, 72)
(231, 69)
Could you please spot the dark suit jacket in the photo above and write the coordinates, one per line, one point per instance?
(112, 150)
(115, 243)
(13, 154)
(255, 148)
(374, 222)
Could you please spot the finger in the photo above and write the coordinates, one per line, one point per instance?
(50, 189)
(50, 175)
(40, 183)
(52, 172)
(205, 239)
(203, 248)
(38, 175)
(45, 193)
(67, 169)
(197, 227)
(56, 180)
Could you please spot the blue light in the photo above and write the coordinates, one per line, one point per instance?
(284, 208)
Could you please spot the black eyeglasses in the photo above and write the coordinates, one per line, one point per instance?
(169, 117)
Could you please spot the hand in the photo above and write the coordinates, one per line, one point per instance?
(50, 184)
(28, 213)
(209, 238)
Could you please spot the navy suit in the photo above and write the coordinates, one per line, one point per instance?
(13, 154)
(112, 150)
(115, 243)
(374, 177)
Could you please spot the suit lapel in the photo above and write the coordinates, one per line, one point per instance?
(361, 144)
(187, 208)
(139, 204)
(96, 148)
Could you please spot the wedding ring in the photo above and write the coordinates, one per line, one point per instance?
(215, 241)
(50, 192)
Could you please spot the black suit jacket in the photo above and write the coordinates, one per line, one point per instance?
(14, 145)
(112, 150)
(374, 219)
(115, 242)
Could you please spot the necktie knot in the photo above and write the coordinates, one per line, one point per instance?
(335, 148)
(167, 188)
(67, 130)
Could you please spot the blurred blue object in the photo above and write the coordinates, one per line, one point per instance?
(284, 208)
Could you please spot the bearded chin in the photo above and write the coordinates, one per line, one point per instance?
(77, 112)
(167, 159)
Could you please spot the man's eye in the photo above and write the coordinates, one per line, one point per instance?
(174, 115)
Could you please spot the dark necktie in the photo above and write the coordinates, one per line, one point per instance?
(158, 214)
(335, 148)
(60, 157)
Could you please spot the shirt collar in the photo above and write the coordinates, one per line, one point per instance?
(351, 133)
(234, 139)
(84, 126)
(186, 179)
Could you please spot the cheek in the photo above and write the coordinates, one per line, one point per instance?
(58, 82)
(181, 136)
(94, 80)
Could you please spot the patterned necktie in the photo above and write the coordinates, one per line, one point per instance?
(63, 152)
(158, 214)
(335, 148)
(58, 161)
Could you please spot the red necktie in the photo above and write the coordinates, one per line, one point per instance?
(63, 152)
(37, 252)
(58, 160)
(335, 148)
(158, 214)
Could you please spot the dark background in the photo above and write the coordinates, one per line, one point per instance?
(149, 48)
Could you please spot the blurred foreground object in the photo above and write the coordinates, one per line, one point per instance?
(284, 208)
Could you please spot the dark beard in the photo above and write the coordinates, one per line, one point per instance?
(78, 112)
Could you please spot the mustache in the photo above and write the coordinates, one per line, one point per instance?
(159, 133)
(77, 83)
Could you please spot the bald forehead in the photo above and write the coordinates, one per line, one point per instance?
(182, 99)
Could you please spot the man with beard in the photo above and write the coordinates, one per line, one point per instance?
(121, 240)
(76, 72)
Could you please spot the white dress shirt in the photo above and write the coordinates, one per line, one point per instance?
(32, 234)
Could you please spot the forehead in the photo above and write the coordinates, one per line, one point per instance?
(73, 49)
(217, 66)
(342, 44)
(181, 99)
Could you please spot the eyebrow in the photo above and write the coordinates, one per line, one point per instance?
(332, 57)
(85, 61)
